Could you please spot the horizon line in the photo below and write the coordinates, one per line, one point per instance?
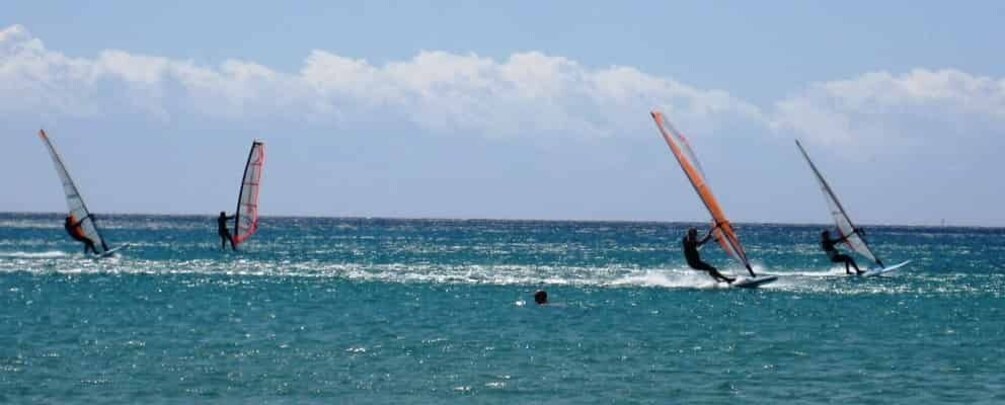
(433, 218)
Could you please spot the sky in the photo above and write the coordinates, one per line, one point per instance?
(513, 110)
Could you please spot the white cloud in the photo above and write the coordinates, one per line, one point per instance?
(880, 109)
(528, 93)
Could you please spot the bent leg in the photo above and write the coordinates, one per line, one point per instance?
(853, 264)
(848, 263)
(712, 271)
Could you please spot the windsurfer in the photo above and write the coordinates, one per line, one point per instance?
(221, 228)
(691, 245)
(77, 232)
(827, 244)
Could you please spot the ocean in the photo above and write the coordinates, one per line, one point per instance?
(417, 311)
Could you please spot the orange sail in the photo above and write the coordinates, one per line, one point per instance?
(724, 232)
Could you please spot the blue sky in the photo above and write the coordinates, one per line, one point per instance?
(508, 109)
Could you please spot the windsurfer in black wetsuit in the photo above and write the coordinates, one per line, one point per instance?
(221, 228)
(827, 244)
(77, 233)
(691, 245)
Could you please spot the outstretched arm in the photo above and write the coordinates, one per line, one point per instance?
(708, 235)
(854, 231)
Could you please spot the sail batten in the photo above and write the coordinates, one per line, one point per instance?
(854, 238)
(723, 228)
(246, 217)
(74, 201)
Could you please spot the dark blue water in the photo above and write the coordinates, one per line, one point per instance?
(428, 311)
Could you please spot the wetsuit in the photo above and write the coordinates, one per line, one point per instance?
(77, 233)
(828, 246)
(221, 228)
(694, 259)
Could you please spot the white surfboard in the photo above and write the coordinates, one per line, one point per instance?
(753, 282)
(112, 251)
(884, 270)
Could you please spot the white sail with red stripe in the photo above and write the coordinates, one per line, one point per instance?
(246, 218)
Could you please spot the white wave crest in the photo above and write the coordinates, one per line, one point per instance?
(33, 255)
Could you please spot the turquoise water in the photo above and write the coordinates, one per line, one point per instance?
(429, 311)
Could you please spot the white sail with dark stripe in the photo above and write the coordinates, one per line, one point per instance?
(74, 201)
(853, 236)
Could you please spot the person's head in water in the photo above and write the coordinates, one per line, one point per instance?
(541, 297)
(692, 233)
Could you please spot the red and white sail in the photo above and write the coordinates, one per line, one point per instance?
(246, 218)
